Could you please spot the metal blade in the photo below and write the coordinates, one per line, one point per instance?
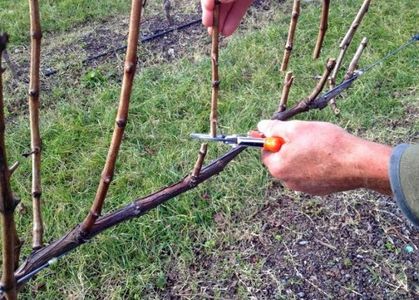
(218, 138)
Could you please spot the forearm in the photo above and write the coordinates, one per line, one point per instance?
(372, 160)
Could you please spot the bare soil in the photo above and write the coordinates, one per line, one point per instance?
(348, 245)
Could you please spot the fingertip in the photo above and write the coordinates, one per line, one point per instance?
(238, 10)
(207, 12)
(207, 4)
(207, 18)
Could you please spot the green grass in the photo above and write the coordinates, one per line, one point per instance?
(55, 15)
(168, 103)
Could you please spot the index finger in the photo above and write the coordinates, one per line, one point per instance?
(274, 128)
(208, 8)
(207, 12)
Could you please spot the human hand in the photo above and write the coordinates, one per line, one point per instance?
(231, 13)
(321, 158)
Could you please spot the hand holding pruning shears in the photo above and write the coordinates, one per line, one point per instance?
(318, 157)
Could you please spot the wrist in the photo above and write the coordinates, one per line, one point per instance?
(372, 164)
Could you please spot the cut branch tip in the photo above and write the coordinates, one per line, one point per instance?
(13, 168)
(288, 80)
(199, 162)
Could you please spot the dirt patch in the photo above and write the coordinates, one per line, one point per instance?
(352, 245)
(62, 51)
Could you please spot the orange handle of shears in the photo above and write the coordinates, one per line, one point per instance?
(271, 144)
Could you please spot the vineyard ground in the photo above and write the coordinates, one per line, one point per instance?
(240, 235)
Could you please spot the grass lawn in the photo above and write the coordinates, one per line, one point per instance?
(180, 249)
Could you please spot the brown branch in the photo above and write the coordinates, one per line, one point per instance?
(288, 80)
(121, 118)
(201, 156)
(214, 68)
(322, 28)
(34, 90)
(354, 62)
(304, 104)
(291, 33)
(77, 236)
(7, 202)
(343, 46)
(138, 207)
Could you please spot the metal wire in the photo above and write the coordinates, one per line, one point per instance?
(413, 39)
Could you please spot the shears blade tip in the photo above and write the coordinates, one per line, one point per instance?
(207, 137)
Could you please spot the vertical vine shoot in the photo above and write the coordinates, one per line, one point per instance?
(36, 147)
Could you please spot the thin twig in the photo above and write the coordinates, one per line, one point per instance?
(326, 244)
(332, 101)
(13, 168)
(343, 46)
(346, 41)
(291, 33)
(34, 90)
(304, 104)
(7, 202)
(201, 156)
(354, 62)
(214, 68)
(121, 118)
(288, 80)
(322, 28)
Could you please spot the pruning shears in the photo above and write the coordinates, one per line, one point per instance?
(252, 139)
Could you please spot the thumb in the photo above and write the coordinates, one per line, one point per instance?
(273, 128)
